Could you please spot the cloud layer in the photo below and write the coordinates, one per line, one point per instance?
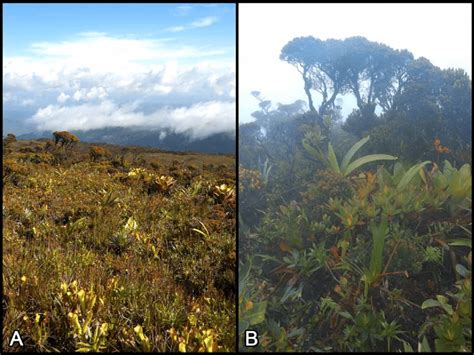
(98, 81)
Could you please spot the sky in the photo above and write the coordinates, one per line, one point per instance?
(87, 66)
(440, 32)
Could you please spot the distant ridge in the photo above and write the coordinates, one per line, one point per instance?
(221, 143)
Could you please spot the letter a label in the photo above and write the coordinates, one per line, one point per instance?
(16, 338)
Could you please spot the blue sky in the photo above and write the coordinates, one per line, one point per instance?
(164, 66)
(24, 24)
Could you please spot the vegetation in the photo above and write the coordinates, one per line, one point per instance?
(118, 248)
(66, 138)
(351, 243)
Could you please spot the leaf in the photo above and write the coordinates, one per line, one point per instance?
(352, 151)
(257, 314)
(367, 159)
(244, 274)
(444, 303)
(296, 332)
(378, 234)
(313, 151)
(199, 231)
(461, 243)
(398, 172)
(430, 303)
(424, 347)
(346, 315)
(410, 174)
(423, 176)
(290, 291)
(407, 348)
(461, 270)
(332, 159)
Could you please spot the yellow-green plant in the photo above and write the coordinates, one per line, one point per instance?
(224, 192)
(346, 167)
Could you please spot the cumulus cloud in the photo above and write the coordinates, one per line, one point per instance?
(98, 81)
(62, 98)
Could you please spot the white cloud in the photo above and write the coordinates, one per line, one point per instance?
(177, 28)
(96, 92)
(202, 22)
(62, 98)
(97, 81)
(198, 121)
(27, 102)
(78, 95)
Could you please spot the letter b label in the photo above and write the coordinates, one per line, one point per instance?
(251, 338)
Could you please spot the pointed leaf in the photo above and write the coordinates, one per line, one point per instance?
(410, 174)
(407, 348)
(461, 243)
(316, 153)
(352, 151)
(424, 346)
(332, 159)
(398, 172)
(367, 159)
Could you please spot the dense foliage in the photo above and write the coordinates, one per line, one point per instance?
(356, 235)
(118, 249)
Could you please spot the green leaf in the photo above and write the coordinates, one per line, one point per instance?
(444, 303)
(430, 303)
(410, 174)
(316, 153)
(346, 315)
(398, 172)
(352, 151)
(367, 159)
(244, 274)
(332, 159)
(407, 348)
(424, 346)
(378, 234)
(461, 243)
(257, 314)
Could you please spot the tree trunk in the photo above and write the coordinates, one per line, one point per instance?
(307, 87)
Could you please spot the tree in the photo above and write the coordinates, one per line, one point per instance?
(67, 139)
(433, 103)
(374, 73)
(10, 139)
(319, 65)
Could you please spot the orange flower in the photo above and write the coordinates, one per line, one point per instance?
(445, 150)
(437, 142)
